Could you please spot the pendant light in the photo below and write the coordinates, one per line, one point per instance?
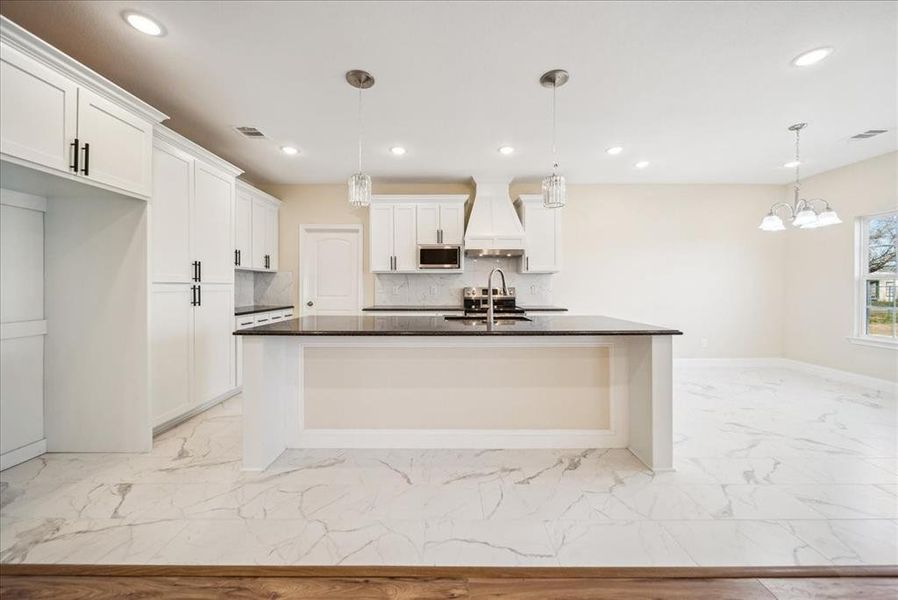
(360, 183)
(554, 192)
(801, 212)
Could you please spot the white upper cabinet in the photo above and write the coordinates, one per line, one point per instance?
(243, 230)
(398, 224)
(191, 213)
(213, 227)
(170, 215)
(60, 117)
(257, 228)
(441, 222)
(393, 238)
(38, 111)
(115, 144)
(542, 229)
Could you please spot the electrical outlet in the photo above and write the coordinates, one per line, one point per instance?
(703, 342)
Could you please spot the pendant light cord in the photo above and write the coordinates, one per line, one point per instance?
(360, 129)
(554, 130)
(797, 164)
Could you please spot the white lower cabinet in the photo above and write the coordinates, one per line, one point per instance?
(191, 359)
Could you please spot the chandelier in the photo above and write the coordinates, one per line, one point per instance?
(554, 191)
(804, 214)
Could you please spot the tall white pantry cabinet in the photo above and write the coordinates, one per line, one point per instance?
(192, 278)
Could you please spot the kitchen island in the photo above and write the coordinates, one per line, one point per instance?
(431, 382)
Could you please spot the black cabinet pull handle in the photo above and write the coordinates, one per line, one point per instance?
(239, 258)
(199, 266)
(75, 151)
(199, 295)
(236, 257)
(193, 295)
(196, 271)
(86, 169)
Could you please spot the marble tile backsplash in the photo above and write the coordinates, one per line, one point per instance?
(252, 287)
(441, 289)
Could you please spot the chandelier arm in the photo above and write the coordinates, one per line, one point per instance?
(786, 205)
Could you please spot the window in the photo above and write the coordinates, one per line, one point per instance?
(877, 284)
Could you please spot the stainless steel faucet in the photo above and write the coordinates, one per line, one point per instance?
(490, 313)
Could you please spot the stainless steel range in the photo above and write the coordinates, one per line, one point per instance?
(476, 301)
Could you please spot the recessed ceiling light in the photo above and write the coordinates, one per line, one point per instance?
(613, 150)
(811, 57)
(397, 150)
(289, 150)
(642, 164)
(143, 24)
(506, 150)
(792, 164)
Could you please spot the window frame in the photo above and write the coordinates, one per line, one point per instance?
(862, 248)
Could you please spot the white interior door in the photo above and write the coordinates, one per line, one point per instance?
(212, 225)
(170, 216)
(121, 144)
(331, 268)
(243, 218)
(38, 111)
(213, 342)
(171, 349)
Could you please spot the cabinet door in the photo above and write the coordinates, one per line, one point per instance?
(260, 246)
(212, 226)
(213, 342)
(405, 237)
(428, 216)
(121, 144)
(243, 228)
(380, 238)
(170, 216)
(452, 223)
(542, 253)
(171, 351)
(38, 111)
(271, 236)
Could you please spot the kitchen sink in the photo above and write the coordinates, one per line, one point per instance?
(500, 319)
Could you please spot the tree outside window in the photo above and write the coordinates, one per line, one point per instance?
(880, 235)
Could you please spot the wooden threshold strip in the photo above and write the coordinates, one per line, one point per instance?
(46, 570)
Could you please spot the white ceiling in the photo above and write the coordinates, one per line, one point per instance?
(703, 90)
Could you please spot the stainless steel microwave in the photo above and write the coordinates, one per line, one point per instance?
(439, 256)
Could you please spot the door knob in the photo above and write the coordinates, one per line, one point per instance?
(310, 303)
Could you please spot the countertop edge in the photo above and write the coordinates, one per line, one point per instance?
(455, 333)
(268, 308)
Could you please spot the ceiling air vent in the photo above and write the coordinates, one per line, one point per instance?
(868, 134)
(250, 132)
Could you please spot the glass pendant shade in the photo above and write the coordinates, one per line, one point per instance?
(805, 217)
(554, 191)
(828, 217)
(771, 222)
(359, 190)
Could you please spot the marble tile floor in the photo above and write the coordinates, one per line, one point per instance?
(774, 467)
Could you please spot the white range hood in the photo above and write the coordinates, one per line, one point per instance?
(493, 227)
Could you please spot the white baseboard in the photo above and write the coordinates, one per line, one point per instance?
(460, 438)
(881, 385)
(177, 420)
(20, 455)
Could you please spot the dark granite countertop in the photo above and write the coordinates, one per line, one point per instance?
(420, 325)
(258, 308)
(453, 308)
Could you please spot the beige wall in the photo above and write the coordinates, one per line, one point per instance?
(685, 256)
(688, 256)
(820, 270)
